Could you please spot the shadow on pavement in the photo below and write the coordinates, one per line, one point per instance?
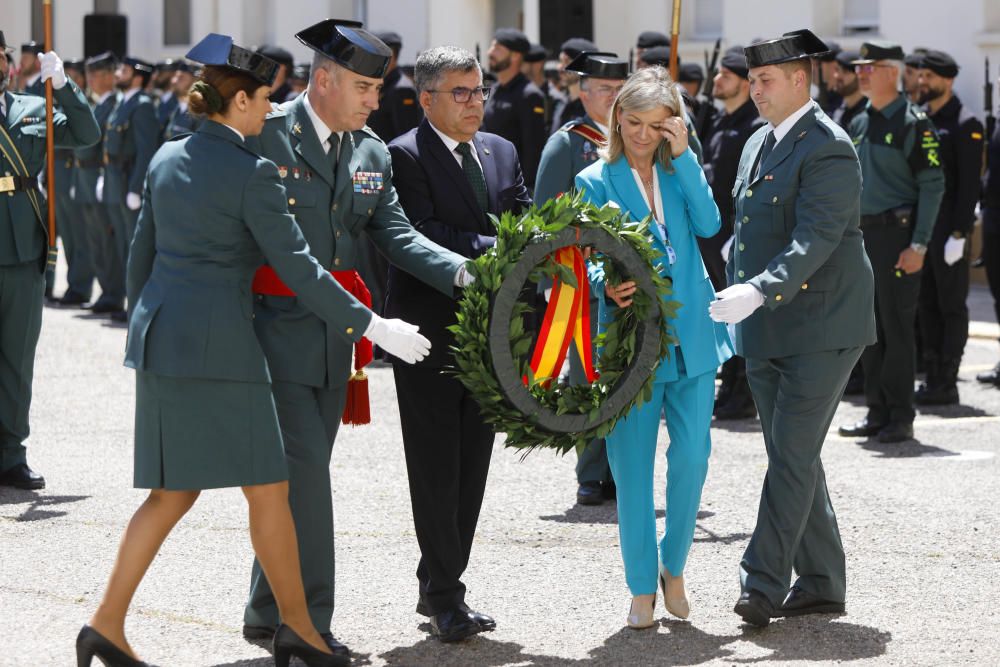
(952, 411)
(737, 425)
(479, 650)
(817, 638)
(37, 504)
(903, 450)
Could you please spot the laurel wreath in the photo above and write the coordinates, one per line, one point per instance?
(492, 345)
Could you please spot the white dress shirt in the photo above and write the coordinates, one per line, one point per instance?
(323, 133)
(785, 126)
(452, 144)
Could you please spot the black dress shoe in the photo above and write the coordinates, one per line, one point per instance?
(258, 632)
(609, 490)
(335, 646)
(486, 623)
(105, 307)
(862, 429)
(754, 608)
(71, 298)
(288, 644)
(589, 493)
(453, 625)
(92, 644)
(991, 376)
(800, 603)
(739, 406)
(22, 477)
(896, 432)
(119, 316)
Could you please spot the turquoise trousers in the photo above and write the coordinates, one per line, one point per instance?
(632, 454)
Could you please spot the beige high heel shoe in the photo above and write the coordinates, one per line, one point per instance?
(676, 605)
(640, 614)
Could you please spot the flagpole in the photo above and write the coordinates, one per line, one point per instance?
(50, 161)
(675, 30)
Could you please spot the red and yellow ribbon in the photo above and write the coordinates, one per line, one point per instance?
(567, 318)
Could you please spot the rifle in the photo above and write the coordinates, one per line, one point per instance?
(710, 67)
(988, 102)
(631, 61)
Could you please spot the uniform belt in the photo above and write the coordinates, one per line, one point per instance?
(266, 281)
(117, 161)
(18, 183)
(896, 217)
(89, 164)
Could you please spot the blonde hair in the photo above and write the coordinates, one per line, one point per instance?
(644, 90)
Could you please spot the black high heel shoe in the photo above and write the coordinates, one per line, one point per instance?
(90, 644)
(287, 644)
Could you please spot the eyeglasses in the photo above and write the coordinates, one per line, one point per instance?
(608, 90)
(463, 95)
(868, 68)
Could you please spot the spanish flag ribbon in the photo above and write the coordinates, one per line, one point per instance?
(567, 317)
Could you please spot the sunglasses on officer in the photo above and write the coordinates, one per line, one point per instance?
(464, 95)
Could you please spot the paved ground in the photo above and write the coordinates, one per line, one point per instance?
(919, 524)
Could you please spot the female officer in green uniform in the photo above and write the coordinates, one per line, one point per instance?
(213, 213)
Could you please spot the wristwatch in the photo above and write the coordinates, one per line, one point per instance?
(918, 248)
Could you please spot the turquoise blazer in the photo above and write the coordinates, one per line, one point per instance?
(213, 212)
(690, 211)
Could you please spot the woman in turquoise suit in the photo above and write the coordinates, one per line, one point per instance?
(647, 167)
(213, 212)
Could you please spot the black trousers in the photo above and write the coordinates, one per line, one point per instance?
(711, 254)
(889, 364)
(448, 449)
(944, 314)
(991, 254)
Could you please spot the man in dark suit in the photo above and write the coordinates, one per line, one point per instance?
(449, 177)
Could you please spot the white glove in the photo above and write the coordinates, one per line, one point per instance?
(736, 303)
(133, 201)
(99, 190)
(52, 68)
(726, 248)
(463, 278)
(954, 249)
(548, 294)
(398, 338)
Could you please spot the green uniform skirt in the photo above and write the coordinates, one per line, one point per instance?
(193, 433)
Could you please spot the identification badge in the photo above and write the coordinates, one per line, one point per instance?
(367, 182)
(671, 255)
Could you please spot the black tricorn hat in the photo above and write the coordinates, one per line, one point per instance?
(219, 50)
(600, 64)
(348, 44)
(3, 44)
(790, 46)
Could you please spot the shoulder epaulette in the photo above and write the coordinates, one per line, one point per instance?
(370, 132)
(585, 131)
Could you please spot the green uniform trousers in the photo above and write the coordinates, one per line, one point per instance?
(309, 419)
(108, 267)
(592, 458)
(73, 232)
(21, 289)
(796, 398)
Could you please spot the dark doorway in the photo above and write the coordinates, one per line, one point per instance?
(561, 19)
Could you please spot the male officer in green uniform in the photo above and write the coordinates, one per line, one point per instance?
(29, 69)
(338, 177)
(901, 164)
(88, 173)
(798, 252)
(23, 241)
(567, 153)
(132, 137)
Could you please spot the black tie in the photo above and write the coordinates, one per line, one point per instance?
(334, 152)
(474, 174)
(769, 143)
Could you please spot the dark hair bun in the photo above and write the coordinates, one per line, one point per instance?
(204, 99)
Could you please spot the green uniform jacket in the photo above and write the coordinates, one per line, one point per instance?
(213, 212)
(90, 160)
(23, 233)
(133, 136)
(333, 213)
(565, 155)
(798, 241)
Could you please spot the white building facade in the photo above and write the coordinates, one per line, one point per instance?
(967, 29)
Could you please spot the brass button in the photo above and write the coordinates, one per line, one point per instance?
(805, 285)
(291, 201)
(369, 211)
(350, 330)
(742, 247)
(746, 218)
(334, 206)
(740, 274)
(337, 261)
(775, 200)
(777, 297)
(749, 194)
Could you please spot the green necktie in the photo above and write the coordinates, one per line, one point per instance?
(474, 174)
(769, 142)
(334, 151)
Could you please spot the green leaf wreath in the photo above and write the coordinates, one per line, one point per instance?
(541, 420)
